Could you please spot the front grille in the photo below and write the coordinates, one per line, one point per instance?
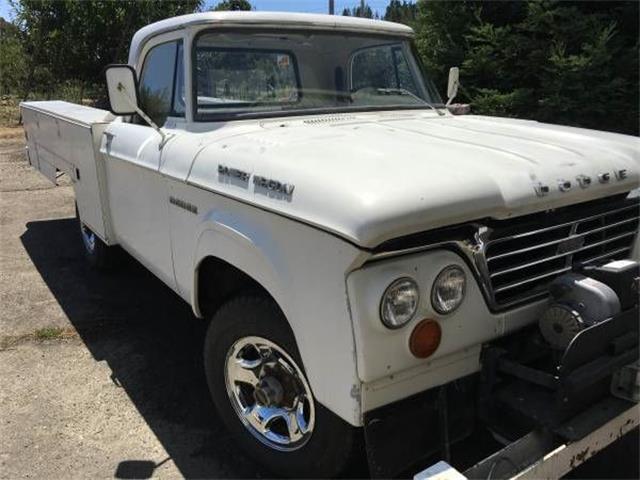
(523, 256)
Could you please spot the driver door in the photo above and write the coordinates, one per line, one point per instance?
(137, 191)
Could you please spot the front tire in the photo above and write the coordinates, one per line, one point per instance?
(258, 384)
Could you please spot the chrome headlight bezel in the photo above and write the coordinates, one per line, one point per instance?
(436, 289)
(396, 288)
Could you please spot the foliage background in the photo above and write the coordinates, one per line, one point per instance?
(573, 63)
(567, 62)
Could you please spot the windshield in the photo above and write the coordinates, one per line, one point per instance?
(271, 73)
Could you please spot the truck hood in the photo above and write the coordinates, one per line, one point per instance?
(374, 177)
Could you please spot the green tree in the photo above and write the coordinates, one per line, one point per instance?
(13, 63)
(401, 12)
(75, 40)
(565, 62)
(233, 5)
(363, 10)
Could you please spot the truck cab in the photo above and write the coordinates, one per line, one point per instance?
(368, 262)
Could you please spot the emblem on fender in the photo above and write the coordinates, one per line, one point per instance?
(258, 180)
(178, 202)
(273, 185)
(233, 172)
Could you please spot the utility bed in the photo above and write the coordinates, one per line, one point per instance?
(64, 138)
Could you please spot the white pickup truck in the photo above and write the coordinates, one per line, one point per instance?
(378, 274)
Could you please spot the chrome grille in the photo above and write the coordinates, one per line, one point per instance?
(521, 259)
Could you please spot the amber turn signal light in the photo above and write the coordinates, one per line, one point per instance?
(425, 338)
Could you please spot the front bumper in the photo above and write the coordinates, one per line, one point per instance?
(403, 433)
(556, 415)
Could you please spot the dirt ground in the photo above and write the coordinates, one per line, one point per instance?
(101, 374)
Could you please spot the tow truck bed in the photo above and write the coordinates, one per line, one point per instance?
(541, 454)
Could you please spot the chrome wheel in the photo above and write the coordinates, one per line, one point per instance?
(269, 393)
(88, 238)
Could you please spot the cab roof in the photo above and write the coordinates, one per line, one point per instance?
(282, 20)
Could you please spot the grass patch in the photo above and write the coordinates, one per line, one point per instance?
(43, 334)
(48, 333)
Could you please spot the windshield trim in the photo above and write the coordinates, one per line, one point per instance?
(229, 116)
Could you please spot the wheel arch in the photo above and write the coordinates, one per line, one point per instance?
(216, 281)
(232, 255)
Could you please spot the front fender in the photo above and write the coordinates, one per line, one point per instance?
(304, 270)
(245, 245)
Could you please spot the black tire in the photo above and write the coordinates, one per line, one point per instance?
(99, 255)
(333, 443)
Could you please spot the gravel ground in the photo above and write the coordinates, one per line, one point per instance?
(101, 373)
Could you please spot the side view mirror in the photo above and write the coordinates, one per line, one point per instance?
(454, 83)
(123, 89)
(122, 86)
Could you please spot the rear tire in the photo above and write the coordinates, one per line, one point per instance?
(324, 444)
(99, 255)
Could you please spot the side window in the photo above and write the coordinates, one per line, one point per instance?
(162, 82)
(382, 67)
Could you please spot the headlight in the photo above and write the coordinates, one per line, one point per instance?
(448, 289)
(399, 302)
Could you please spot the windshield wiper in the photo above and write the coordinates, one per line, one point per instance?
(403, 91)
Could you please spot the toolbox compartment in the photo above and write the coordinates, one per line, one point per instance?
(64, 138)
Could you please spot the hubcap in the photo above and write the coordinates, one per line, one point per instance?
(269, 393)
(88, 238)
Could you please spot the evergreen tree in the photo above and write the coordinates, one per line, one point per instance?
(401, 12)
(363, 10)
(572, 63)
